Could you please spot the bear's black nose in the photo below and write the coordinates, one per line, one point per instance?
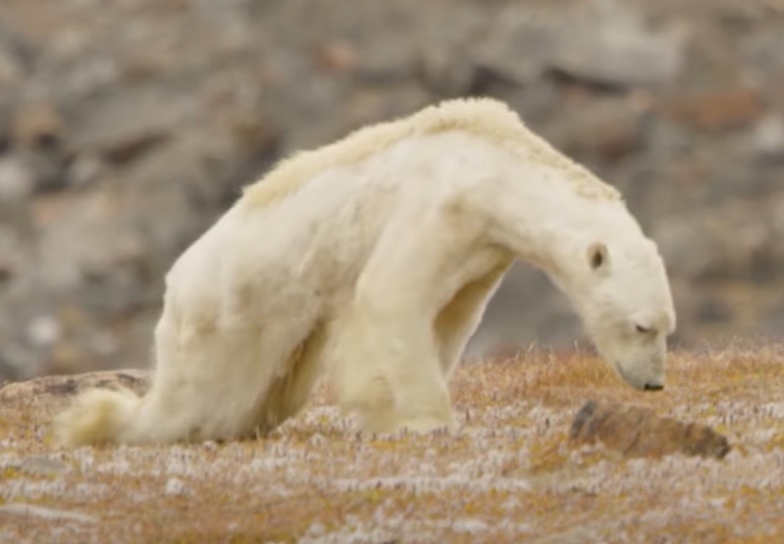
(653, 387)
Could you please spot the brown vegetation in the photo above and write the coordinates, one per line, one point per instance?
(510, 474)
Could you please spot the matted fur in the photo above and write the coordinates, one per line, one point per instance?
(483, 117)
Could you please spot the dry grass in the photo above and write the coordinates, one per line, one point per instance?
(508, 476)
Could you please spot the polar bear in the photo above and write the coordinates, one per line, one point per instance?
(372, 260)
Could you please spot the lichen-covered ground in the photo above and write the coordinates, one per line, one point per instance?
(509, 475)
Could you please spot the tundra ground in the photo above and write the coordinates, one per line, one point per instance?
(509, 475)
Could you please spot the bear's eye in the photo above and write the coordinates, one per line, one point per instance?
(642, 329)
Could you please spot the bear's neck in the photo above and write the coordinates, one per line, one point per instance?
(549, 224)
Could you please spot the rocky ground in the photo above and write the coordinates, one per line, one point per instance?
(127, 126)
(531, 462)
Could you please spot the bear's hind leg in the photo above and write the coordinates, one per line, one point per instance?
(289, 393)
(194, 395)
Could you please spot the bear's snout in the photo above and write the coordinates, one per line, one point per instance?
(653, 387)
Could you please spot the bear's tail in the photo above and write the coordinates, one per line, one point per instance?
(98, 416)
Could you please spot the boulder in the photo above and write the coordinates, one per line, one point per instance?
(608, 44)
(639, 432)
(66, 386)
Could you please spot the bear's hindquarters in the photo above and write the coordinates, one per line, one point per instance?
(210, 383)
(228, 381)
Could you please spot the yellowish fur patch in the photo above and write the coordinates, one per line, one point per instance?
(483, 117)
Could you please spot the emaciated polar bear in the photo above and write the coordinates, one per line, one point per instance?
(373, 258)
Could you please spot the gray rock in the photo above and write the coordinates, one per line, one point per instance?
(687, 246)
(19, 362)
(725, 243)
(11, 73)
(44, 330)
(17, 182)
(761, 52)
(47, 167)
(606, 129)
(16, 57)
(85, 169)
(768, 137)
(608, 44)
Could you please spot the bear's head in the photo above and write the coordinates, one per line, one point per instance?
(626, 305)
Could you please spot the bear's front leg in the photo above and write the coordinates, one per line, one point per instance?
(385, 354)
(387, 370)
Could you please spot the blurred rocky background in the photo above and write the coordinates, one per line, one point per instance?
(128, 126)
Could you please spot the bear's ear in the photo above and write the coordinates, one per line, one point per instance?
(598, 256)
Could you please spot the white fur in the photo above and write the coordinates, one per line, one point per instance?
(377, 268)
